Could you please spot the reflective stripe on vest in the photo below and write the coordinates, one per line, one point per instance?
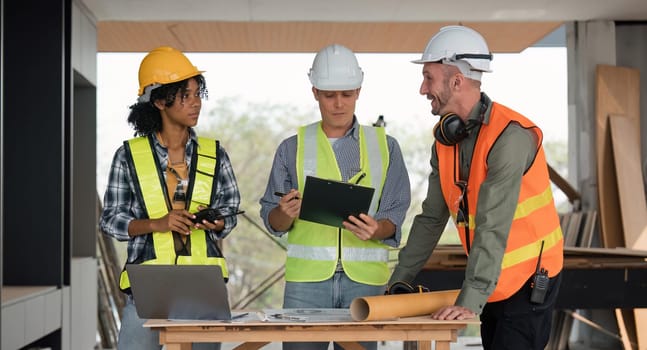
(151, 185)
(313, 248)
(535, 219)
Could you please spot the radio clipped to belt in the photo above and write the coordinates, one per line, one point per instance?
(540, 280)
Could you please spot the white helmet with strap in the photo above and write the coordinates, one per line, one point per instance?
(459, 46)
(335, 68)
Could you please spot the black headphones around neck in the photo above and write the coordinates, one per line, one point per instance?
(451, 129)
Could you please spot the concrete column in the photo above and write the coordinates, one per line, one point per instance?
(588, 44)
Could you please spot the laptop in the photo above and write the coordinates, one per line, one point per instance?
(179, 292)
(330, 202)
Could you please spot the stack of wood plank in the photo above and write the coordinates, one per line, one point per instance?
(579, 228)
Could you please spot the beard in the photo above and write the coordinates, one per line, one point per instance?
(440, 100)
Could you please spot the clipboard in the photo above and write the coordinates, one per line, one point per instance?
(330, 202)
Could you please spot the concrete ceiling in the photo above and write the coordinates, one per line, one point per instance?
(307, 25)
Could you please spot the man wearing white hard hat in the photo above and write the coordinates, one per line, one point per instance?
(327, 266)
(489, 175)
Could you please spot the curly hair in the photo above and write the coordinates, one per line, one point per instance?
(146, 118)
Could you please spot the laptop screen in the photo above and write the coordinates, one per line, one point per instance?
(179, 292)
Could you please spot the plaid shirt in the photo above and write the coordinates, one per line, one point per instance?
(121, 205)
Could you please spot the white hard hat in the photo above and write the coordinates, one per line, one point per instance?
(335, 68)
(459, 46)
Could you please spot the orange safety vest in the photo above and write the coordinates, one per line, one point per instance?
(535, 219)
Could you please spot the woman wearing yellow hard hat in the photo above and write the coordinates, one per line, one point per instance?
(161, 178)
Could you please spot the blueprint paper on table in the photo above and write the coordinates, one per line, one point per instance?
(306, 315)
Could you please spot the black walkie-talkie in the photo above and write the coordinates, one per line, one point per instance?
(540, 281)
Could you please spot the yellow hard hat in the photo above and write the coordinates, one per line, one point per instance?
(165, 65)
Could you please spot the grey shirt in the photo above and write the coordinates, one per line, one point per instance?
(396, 194)
(511, 155)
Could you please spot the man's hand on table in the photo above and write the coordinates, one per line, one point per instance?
(453, 312)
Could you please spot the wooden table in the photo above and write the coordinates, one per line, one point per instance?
(254, 334)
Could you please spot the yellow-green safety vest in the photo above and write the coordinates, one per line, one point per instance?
(314, 249)
(150, 181)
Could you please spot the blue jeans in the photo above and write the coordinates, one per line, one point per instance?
(134, 336)
(336, 292)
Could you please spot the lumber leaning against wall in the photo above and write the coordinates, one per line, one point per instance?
(617, 91)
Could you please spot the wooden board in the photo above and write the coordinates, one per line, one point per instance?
(629, 198)
(617, 91)
(631, 190)
(626, 327)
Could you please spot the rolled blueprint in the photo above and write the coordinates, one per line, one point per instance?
(384, 307)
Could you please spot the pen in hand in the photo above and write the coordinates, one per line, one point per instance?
(281, 194)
